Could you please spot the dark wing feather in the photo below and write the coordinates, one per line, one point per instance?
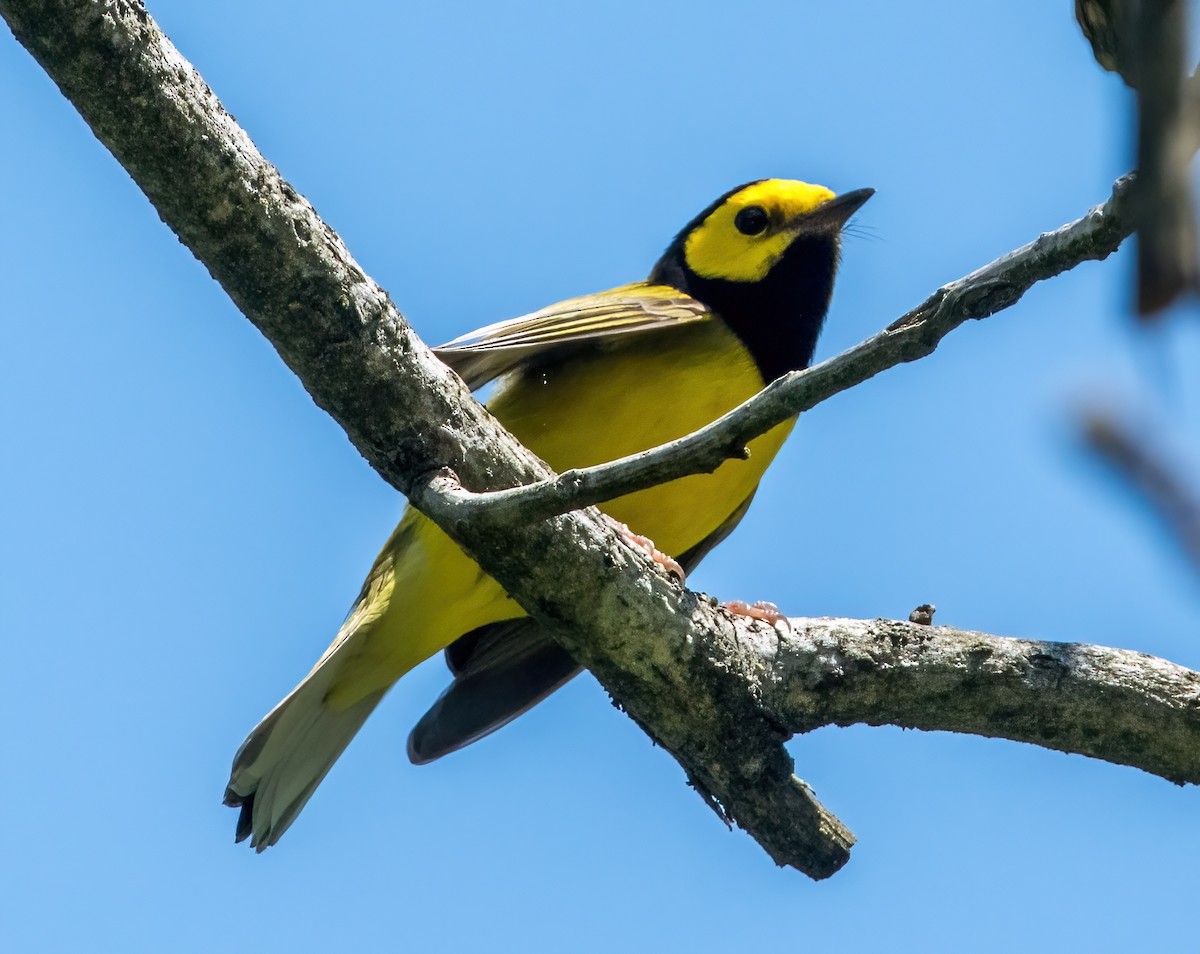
(555, 331)
(513, 666)
(503, 670)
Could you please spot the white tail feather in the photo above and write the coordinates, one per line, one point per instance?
(285, 757)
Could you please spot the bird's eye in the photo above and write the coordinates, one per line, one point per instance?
(751, 220)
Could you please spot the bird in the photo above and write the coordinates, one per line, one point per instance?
(737, 299)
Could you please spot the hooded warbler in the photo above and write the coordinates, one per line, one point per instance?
(736, 300)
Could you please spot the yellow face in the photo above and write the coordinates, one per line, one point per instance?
(743, 238)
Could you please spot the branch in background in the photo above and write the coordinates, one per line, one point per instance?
(980, 294)
(1167, 124)
(1145, 41)
(1149, 475)
(1111, 704)
(701, 683)
(1103, 23)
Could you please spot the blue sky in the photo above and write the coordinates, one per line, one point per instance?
(184, 529)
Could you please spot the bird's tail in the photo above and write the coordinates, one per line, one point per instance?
(288, 753)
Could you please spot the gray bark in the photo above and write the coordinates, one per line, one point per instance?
(1112, 704)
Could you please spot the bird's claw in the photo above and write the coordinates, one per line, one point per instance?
(762, 609)
(646, 545)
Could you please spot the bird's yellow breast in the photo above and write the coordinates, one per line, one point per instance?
(662, 385)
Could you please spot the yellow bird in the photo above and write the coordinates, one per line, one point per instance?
(736, 300)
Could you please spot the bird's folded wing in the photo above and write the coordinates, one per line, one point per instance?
(555, 331)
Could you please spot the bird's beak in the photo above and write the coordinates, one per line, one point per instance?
(834, 214)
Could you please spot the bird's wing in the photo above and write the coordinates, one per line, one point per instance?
(503, 670)
(554, 331)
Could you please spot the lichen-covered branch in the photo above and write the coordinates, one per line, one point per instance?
(1112, 704)
(984, 292)
(687, 672)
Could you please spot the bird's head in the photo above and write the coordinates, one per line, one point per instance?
(763, 257)
(747, 233)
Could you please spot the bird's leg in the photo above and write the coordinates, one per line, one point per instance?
(767, 612)
(647, 545)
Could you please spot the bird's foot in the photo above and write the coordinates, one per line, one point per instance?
(646, 545)
(767, 612)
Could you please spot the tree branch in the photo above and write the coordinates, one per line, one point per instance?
(687, 672)
(984, 292)
(1113, 704)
